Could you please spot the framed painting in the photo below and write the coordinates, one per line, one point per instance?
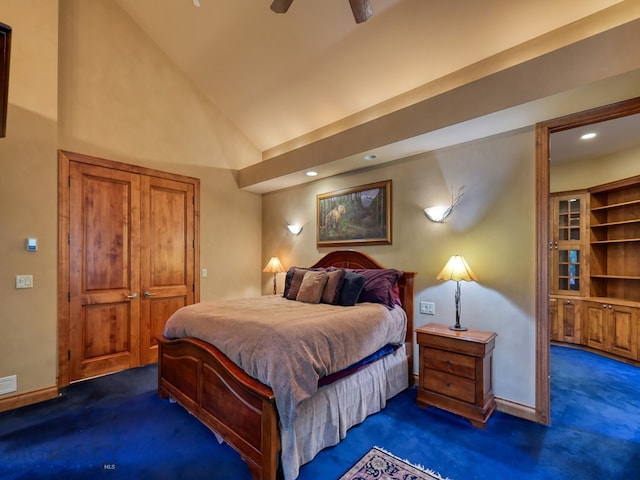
(5, 51)
(355, 216)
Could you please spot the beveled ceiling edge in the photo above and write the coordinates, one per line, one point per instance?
(527, 82)
(594, 24)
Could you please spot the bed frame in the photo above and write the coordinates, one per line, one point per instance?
(237, 407)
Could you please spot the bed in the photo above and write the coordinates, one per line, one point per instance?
(243, 411)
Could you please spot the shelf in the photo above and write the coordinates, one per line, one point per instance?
(616, 277)
(613, 224)
(615, 205)
(622, 240)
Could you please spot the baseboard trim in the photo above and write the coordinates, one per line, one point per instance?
(509, 407)
(24, 399)
(516, 409)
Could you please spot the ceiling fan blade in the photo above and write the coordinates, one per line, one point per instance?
(361, 10)
(281, 6)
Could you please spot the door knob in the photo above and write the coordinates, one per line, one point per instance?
(132, 296)
(149, 294)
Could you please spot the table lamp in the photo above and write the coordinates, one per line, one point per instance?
(274, 266)
(457, 269)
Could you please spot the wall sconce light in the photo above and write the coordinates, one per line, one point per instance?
(274, 266)
(294, 228)
(439, 213)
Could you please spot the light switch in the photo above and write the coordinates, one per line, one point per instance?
(24, 281)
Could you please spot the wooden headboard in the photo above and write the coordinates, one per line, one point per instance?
(355, 259)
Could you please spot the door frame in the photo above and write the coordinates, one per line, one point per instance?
(64, 160)
(543, 131)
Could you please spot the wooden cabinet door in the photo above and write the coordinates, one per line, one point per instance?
(597, 335)
(104, 278)
(567, 246)
(570, 322)
(613, 328)
(167, 256)
(623, 322)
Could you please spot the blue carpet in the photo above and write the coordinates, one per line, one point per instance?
(116, 427)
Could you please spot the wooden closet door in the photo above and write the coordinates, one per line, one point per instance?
(104, 273)
(167, 256)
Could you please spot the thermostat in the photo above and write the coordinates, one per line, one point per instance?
(32, 244)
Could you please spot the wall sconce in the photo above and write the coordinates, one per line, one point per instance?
(439, 213)
(274, 266)
(294, 228)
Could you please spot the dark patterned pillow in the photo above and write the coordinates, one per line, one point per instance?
(296, 281)
(351, 287)
(287, 281)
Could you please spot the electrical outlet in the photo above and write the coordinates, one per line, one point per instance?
(427, 308)
(24, 281)
(8, 384)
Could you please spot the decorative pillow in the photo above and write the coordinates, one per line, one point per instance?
(296, 281)
(379, 284)
(312, 287)
(287, 281)
(351, 287)
(331, 293)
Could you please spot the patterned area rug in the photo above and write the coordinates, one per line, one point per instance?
(378, 464)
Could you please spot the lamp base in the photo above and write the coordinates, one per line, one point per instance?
(458, 328)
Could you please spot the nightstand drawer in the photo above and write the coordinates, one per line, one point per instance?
(448, 362)
(449, 385)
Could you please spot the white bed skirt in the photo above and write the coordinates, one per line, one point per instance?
(323, 420)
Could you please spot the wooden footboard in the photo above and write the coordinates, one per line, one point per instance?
(237, 407)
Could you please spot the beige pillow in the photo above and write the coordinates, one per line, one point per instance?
(296, 281)
(312, 287)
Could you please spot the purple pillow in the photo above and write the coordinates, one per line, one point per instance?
(379, 286)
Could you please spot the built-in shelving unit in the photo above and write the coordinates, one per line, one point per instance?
(604, 313)
(615, 240)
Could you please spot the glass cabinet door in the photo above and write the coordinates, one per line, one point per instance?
(568, 270)
(569, 220)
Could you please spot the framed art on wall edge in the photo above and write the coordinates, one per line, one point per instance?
(355, 216)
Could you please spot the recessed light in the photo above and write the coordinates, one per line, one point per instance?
(370, 156)
(311, 173)
(588, 136)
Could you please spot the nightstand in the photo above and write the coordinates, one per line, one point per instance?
(456, 371)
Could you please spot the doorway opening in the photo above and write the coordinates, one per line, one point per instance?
(543, 235)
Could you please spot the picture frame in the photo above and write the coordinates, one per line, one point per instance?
(355, 216)
(5, 54)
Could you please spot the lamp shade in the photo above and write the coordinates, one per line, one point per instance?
(274, 266)
(294, 228)
(457, 269)
(438, 213)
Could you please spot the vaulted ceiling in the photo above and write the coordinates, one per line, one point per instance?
(288, 80)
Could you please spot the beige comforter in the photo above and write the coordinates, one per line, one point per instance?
(290, 345)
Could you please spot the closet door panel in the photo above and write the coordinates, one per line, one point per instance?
(167, 254)
(104, 273)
